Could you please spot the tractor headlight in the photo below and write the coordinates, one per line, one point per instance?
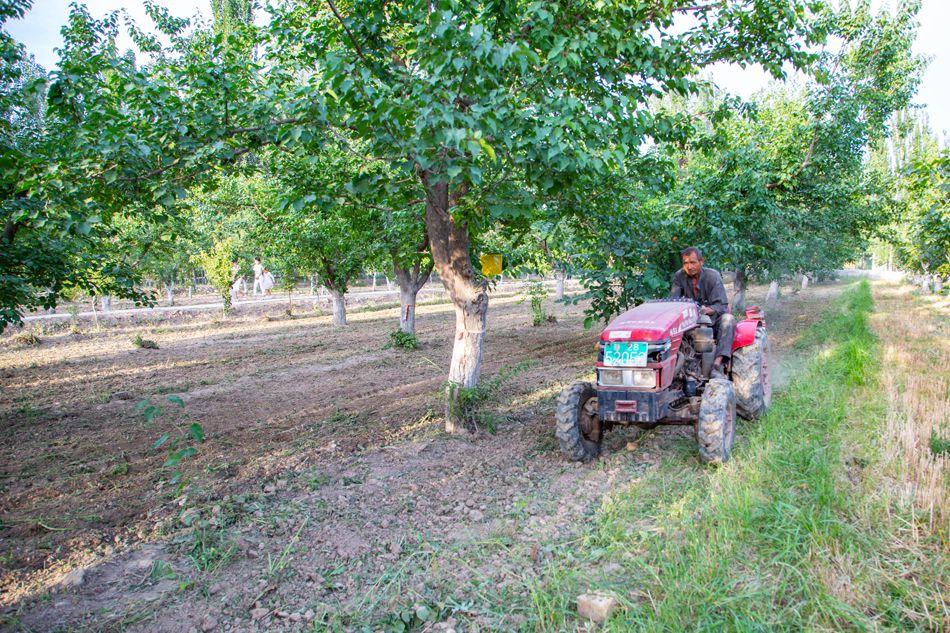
(642, 378)
(610, 377)
(639, 378)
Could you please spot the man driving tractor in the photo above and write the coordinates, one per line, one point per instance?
(704, 286)
(680, 360)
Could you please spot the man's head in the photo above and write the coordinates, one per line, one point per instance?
(692, 260)
(258, 259)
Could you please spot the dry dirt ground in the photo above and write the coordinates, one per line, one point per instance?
(324, 493)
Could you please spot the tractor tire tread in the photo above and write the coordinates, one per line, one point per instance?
(712, 433)
(752, 396)
(567, 429)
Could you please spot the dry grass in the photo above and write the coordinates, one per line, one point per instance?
(915, 337)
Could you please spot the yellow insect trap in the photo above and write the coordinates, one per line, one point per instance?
(491, 264)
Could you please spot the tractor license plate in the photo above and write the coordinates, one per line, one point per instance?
(625, 354)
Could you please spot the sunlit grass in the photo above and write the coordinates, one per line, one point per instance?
(776, 539)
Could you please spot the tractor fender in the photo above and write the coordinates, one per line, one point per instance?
(745, 333)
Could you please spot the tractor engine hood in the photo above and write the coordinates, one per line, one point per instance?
(653, 321)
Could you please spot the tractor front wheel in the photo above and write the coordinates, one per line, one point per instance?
(716, 426)
(579, 429)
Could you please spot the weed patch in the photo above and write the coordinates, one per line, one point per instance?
(402, 340)
(144, 343)
(472, 403)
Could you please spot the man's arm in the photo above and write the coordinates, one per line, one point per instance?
(716, 293)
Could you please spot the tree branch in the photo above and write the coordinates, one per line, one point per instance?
(356, 45)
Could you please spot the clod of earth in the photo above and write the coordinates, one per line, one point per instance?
(596, 606)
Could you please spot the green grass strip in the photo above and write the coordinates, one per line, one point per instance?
(749, 546)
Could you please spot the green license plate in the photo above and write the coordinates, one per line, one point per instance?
(625, 354)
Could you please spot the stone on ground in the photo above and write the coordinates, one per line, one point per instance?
(596, 606)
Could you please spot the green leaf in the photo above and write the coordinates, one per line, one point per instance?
(160, 441)
(196, 432)
(423, 613)
(176, 400)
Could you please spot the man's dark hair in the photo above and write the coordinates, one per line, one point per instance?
(691, 250)
(258, 258)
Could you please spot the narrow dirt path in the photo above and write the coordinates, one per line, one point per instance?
(325, 490)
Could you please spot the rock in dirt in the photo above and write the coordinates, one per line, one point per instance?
(476, 515)
(121, 395)
(208, 623)
(596, 606)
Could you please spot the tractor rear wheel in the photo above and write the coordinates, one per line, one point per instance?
(716, 426)
(579, 429)
(751, 377)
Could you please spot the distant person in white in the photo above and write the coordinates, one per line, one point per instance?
(258, 273)
(267, 281)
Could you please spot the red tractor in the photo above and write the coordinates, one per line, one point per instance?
(655, 366)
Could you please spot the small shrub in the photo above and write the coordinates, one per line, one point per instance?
(537, 292)
(471, 403)
(144, 343)
(402, 340)
(180, 447)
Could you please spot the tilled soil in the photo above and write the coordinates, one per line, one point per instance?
(324, 493)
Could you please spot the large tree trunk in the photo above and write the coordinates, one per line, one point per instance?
(450, 245)
(739, 285)
(170, 292)
(106, 304)
(410, 282)
(339, 307)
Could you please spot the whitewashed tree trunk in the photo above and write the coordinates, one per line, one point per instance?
(95, 315)
(559, 276)
(410, 282)
(450, 245)
(191, 290)
(804, 282)
(389, 283)
(374, 282)
(773, 295)
(925, 284)
(938, 284)
(338, 301)
(313, 286)
(107, 304)
(407, 311)
(170, 292)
